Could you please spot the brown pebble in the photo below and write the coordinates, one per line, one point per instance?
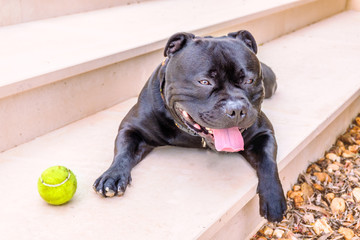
(347, 138)
(307, 190)
(313, 168)
(353, 148)
(288, 194)
(333, 157)
(293, 194)
(262, 238)
(296, 188)
(357, 120)
(268, 231)
(318, 187)
(350, 218)
(348, 154)
(322, 177)
(340, 144)
(322, 226)
(309, 218)
(299, 201)
(346, 232)
(278, 233)
(356, 194)
(337, 205)
(332, 168)
(354, 130)
(336, 149)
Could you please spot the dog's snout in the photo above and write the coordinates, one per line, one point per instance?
(235, 110)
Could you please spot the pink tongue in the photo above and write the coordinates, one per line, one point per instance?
(228, 140)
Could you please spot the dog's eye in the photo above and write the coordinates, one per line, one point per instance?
(249, 81)
(204, 82)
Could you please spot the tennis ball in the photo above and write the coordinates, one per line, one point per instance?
(57, 185)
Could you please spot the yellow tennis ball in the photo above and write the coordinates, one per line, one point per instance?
(57, 185)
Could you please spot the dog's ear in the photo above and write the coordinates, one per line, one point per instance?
(177, 42)
(246, 37)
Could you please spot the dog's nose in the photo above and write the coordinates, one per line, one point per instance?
(235, 110)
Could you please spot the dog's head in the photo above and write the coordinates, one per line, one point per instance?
(214, 86)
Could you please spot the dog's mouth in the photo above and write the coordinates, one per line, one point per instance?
(226, 139)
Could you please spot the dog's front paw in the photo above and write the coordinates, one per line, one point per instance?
(112, 182)
(272, 203)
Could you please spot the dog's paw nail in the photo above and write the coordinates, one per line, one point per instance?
(120, 192)
(100, 193)
(109, 192)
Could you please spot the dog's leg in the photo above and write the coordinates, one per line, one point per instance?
(261, 154)
(269, 79)
(130, 149)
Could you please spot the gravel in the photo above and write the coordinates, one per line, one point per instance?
(325, 201)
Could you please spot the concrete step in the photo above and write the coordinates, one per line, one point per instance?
(15, 12)
(182, 193)
(73, 66)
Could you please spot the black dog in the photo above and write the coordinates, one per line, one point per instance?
(206, 94)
